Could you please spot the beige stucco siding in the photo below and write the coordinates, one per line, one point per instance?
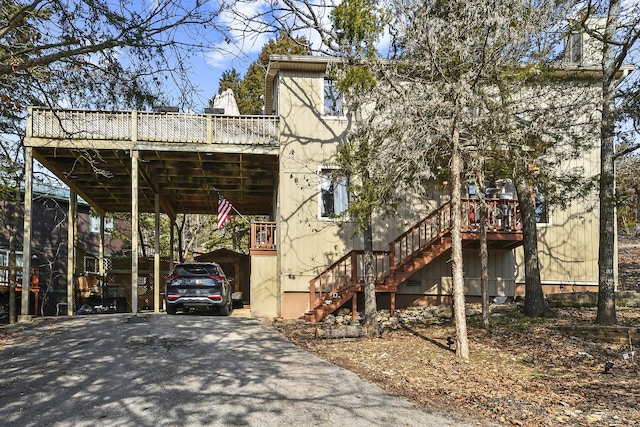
(306, 242)
(264, 286)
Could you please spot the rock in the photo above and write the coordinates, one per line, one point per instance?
(594, 418)
(343, 331)
(343, 312)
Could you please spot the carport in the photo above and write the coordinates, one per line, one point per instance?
(150, 162)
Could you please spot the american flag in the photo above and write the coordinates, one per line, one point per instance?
(224, 209)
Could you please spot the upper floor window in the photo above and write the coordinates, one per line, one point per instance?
(543, 215)
(334, 199)
(94, 224)
(574, 48)
(332, 99)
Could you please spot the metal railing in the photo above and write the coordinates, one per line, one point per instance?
(151, 126)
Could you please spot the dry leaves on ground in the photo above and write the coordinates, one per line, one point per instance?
(524, 372)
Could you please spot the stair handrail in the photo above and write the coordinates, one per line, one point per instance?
(420, 235)
(316, 297)
(352, 273)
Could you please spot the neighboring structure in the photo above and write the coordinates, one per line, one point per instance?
(49, 248)
(283, 165)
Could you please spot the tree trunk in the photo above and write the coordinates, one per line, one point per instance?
(462, 344)
(370, 305)
(606, 253)
(12, 277)
(143, 244)
(179, 230)
(534, 303)
(12, 228)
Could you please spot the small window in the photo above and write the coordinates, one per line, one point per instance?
(94, 225)
(90, 264)
(332, 99)
(333, 193)
(4, 262)
(574, 48)
(543, 216)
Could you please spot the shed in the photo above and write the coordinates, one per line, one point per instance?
(235, 265)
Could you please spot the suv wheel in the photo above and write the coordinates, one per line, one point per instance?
(171, 309)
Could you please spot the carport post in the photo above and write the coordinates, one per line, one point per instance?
(134, 231)
(26, 242)
(156, 258)
(72, 223)
(101, 248)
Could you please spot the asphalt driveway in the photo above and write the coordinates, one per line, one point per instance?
(195, 370)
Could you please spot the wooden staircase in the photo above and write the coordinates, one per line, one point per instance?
(411, 251)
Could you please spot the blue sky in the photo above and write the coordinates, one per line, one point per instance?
(236, 49)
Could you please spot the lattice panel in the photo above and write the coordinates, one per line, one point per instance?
(172, 127)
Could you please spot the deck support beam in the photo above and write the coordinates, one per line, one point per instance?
(134, 231)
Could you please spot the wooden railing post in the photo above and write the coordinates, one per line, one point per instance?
(392, 305)
(354, 306)
(312, 294)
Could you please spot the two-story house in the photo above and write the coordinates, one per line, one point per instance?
(283, 165)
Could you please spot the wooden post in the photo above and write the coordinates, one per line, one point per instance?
(134, 231)
(392, 309)
(26, 242)
(156, 258)
(72, 223)
(312, 295)
(354, 306)
(101, 269)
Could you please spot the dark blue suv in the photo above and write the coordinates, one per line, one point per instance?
(198, 285)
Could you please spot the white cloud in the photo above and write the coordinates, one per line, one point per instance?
(216, 59)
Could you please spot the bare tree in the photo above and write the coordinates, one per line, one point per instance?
(618, 30)
(450, 54)
(94, 54)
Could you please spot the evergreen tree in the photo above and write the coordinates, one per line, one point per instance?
(249, 91)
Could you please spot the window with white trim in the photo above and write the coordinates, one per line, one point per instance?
(332, 99)
(334, 199)
(543, 213)
(90, 264)
(94, 224)
(4, 262)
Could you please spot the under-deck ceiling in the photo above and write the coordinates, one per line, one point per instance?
(186, 181)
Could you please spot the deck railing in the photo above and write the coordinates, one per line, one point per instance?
(263, 238)
(502, 214)
(152, 126)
